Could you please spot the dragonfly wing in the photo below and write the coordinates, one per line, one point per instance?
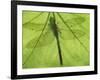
(28, 16)
(45, 40)
(68, 35)
(75, 21)
(33, 26)
(36, 22)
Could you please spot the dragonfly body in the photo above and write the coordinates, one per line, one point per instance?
(54, 29)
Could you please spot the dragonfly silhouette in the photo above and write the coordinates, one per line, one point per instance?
(55, 26)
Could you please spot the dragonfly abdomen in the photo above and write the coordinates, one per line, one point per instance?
(54, 28)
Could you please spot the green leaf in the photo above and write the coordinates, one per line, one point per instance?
(40, 45)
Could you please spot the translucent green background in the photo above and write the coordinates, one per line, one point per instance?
(45, 54)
